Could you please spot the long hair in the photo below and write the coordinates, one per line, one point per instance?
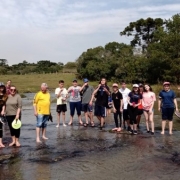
(150, 88)
(105, 81)
(4, 90)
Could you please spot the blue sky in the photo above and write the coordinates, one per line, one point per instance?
(60, 30)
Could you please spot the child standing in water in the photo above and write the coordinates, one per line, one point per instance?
(117, 103)
(148, 99)
(166, 103)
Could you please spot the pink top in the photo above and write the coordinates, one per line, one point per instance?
(147, 100)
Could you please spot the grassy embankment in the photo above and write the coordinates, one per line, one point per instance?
(31, 82)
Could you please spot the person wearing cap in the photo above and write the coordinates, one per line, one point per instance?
(61, 95)
(75, 101)
(140, 107)
(86, 92)
(166, 104)
(125, 92)
(41, 104)
(134, 100)
(13, 111)
(3, 99)
(117, 102)
(101, 94)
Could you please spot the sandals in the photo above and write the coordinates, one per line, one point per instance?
(92, 124)
(85, 124)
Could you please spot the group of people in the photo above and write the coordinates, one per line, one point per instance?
(10, 108)
(127, 106)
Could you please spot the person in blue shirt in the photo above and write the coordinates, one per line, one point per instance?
(166, 104)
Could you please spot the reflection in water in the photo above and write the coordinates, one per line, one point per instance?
(76, 152)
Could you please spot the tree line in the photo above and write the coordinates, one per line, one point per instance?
(42, 66)
(152, 56)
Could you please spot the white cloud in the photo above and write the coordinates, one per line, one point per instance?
(60, 30)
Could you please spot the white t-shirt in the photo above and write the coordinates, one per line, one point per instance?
(62, 98)
(125, 93)
(74, 94)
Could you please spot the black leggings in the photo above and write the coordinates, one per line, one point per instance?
(133, 112)
(14, 132)
(1, 130)
(116, 114)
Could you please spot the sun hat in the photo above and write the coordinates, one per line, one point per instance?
(85, 80)
(166, 83)
(115, 85)
(135, 85)
(16, 124)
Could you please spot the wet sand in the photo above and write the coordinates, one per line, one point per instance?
(75, 152)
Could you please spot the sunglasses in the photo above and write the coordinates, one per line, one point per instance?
(12, 89)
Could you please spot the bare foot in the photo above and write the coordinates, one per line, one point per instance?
(44, 137)
(170, 133)
(162, 132)
(57, 125)
(70, 123)
(64, 125)
(38, 141)
(12, 144)
(2, 145)
(115, 129)
(119, 129)
(18, 144)
(80, 122)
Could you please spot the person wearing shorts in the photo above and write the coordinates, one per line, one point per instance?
(61, 95)
(75, 101)
(148, 99)
(101, 94)
(86, 92)
(125, 92)
(166, 103)
(41, 104)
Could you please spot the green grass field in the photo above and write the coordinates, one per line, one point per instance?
(32, 82)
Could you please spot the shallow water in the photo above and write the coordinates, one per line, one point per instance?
(75, 152)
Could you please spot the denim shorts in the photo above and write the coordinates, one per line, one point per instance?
(42, 120)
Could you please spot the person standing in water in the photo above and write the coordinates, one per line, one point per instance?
(13, 111)
(101, 94)
(166, 103)
(86, 92)
(148, 99)
(140, 107)
(117, 102)
(134, 100)
(61, 95)
(125, 92)
(75, 101)
(3, 99)
(41, 105)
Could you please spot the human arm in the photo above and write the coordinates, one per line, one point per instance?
(35, 101)
(175, 103)
(121, 107)
(159, 104)
(81, 89)
(3, 110)
(19, 103)
(93, 94)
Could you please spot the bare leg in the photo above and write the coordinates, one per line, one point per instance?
(13, 141)
(17, 142)
(58, 119)
(44, 133)
(90, 115)
(146, 118)
(163, 126)
(102, 121)
(86, 117)
(63, 117)
(80, 121)
(99, 118)
(135, 127)
(38, 135)
(71, 120)
(1, 144)
(170, 127)
(151, 121)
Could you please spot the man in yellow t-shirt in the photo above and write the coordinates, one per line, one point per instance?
(41, 105)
